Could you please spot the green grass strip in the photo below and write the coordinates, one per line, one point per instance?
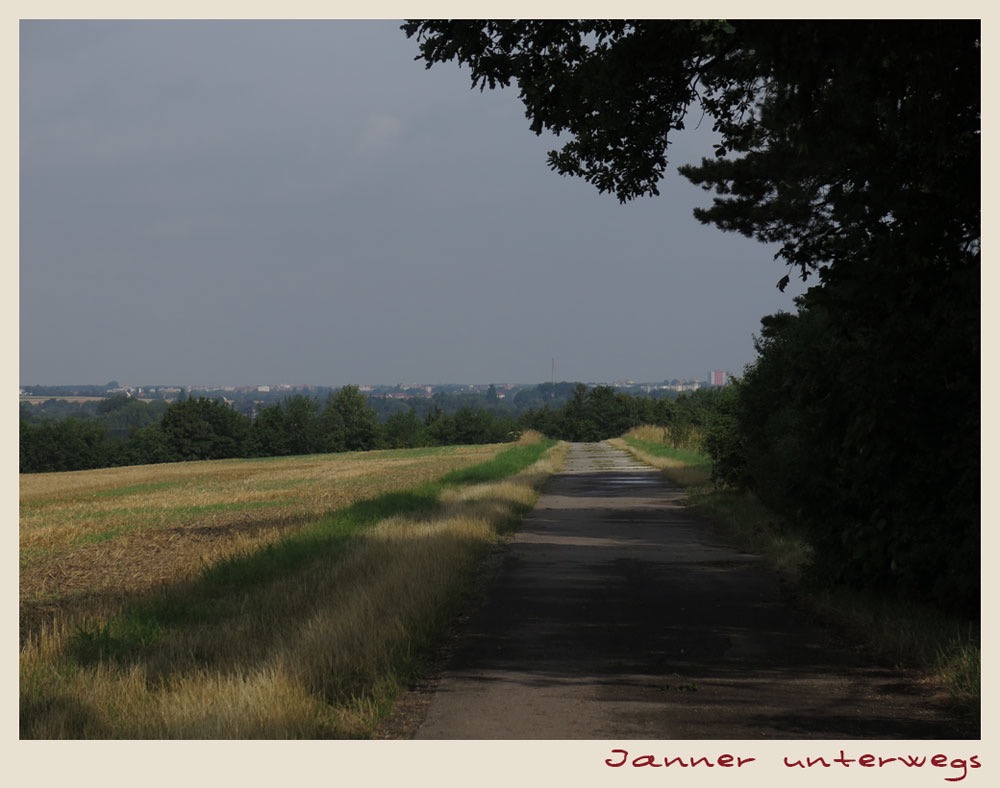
(137, 489)
(506, 463)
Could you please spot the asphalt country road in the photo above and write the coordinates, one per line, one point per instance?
(618, 613)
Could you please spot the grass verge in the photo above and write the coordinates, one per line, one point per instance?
(312, 636)
(945, 651)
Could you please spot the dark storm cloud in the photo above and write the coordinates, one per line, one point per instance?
(244, 202)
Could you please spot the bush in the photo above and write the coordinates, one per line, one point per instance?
(205, 429)
(862, 424)
(71, 444)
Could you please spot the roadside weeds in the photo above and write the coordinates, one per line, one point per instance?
(946, 652)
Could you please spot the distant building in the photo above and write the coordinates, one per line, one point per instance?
(717, 378)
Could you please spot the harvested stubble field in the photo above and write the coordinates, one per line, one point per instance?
(283, 598)
(91, 539)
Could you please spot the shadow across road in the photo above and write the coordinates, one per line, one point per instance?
(617, 613)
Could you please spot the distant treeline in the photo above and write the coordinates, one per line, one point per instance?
(515, 399)
(122, 430)
(912, 533)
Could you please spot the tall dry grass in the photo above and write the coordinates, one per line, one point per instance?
(316, 653)
(685, 466)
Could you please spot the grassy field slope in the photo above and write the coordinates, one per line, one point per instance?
(251, 598)
(89, 539)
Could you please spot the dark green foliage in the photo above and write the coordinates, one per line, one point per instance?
(349, 423)
(878, 461)
(440, 427)
(855, 146)
(580, 420)
(113, 403)
(867, 140)
(205, 429)
(616, 87)
(268, 436)
(145, 446)
(303, 428)
(596, 414)
(124, 415)
(404, 431)
(55, 409)
(545, 394)
(120, 430)
(68, 445)
(473, 425)
(293, 426)
(125, 431)
(725, 442)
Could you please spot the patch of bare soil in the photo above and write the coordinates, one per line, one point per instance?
(94, 579)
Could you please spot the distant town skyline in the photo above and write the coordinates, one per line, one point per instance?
(713, 377)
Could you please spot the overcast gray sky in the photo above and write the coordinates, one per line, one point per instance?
(238, 203)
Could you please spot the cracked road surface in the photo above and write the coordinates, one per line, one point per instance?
(618, 613)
